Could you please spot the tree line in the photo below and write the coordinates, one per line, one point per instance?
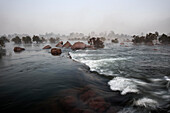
(150, 37)
(26, 40)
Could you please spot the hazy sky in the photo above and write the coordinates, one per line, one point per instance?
(65, 16)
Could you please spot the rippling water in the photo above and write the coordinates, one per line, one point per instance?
(143, 70)
(133, 78)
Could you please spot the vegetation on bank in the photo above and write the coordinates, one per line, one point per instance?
(150, 38)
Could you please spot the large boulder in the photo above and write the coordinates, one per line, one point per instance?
(47, 47)
(18, 49)
(78, 45)
(60, 44)
(67, 44)
(56, 51)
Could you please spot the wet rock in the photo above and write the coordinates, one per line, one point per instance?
(98, 104)
(87, 95)
(90, 46)
(78, 45)
(56, 51)
(68, 102)
(67, 44)
(115, 41)
(60, 44)
(18, 49)
(47, 47)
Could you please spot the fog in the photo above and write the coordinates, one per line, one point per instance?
(65, 16)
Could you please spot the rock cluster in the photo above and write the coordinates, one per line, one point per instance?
(85, 100)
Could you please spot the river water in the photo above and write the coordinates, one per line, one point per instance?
(132, 79)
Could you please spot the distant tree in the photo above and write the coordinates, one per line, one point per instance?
(57, 39)
(37, 39)
(16, 40)
(43, 39)
(26, 39)
(148, 39)
(4, 38)
(2, 44)
(96, 42)
(52, 40)
(164, 39)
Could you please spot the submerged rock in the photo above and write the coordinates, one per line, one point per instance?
(18, 49)
(99, 104)
(78, 45)
(115, 41)
(87, 95)
(67, 44)
(47, 47)
(56, 51)
(60, 44)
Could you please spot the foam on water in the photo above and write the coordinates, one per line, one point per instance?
(124, 85)
(146, 102)
(97, 65)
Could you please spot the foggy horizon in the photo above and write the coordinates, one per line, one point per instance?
(127, 17)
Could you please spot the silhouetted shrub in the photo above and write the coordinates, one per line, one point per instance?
(4, 38)
(26, 39)
(164, 39)
(37, 39)
(16, 40)
(52, 40)
(96, 42)
(148, 39)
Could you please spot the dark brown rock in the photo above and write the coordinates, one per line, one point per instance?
(56, 51)
(47, 47)
(98, 104)
(87, 95)
(60, 44)
(78, 45)
(90, 46)
(67, 44)
(18, 49)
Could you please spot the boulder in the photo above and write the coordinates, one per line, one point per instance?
(60, 44)
(56, 51)
(78, 45)
(47, 47)
(90, 46)
(18, 49)
(67, 44)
